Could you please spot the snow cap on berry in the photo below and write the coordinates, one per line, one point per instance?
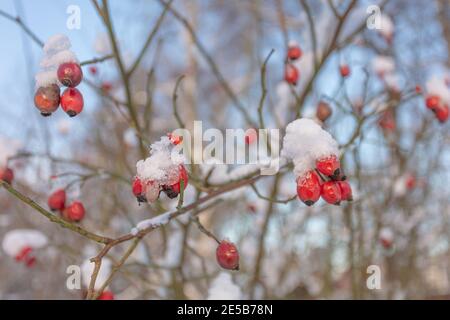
(305, 142)
(15, 240)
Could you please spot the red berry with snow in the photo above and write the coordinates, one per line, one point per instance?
(7, 175)
(346, 190)
(344, 70)
(442, 113)
(23, 253)
(175, 139)
(47, 99)
(183, 176)
(106, 295)
(74, 212)
(308, 188)
(329, 165)
(57, 200)
(291, 74)
(331, 192)
(70, 74)
(432, 102)
(227, 255)
(138, 190)
(294, 52)
(72, 101)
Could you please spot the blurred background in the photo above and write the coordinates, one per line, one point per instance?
(395, 152)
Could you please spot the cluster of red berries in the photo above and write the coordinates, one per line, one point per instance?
(227, 255)
(142, 188)
(291, 73)
(314, 183)
(47, 99)
(440, 109)
(26, 256)
(7, 175)
(57, 202)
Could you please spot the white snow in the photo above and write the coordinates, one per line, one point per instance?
(87, 268)
(387, 234)
(438, 86)
(56, 51)
(157, 221)
(55, 43)
(163, 165)
(15, 240)
(305, 142)
(223, 288)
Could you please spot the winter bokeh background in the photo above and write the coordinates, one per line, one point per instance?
(399, 219)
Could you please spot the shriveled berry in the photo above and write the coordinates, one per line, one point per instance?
(47, 99)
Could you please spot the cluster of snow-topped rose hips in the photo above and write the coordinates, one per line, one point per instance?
(325, 180)
(47, 98)
(174, 175)
(291, 73)
(439, 108)
(57, 202)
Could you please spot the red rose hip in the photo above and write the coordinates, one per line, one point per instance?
(47, 99)
(294, 51)
(291, 74)
(331, 193)
(308, 188)
(72, 101)
(346, 190)
(344, 70)
(329, 166)
(70, 74)
(227, 255)
(57, 200)
(7, 175)
(75, 212)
